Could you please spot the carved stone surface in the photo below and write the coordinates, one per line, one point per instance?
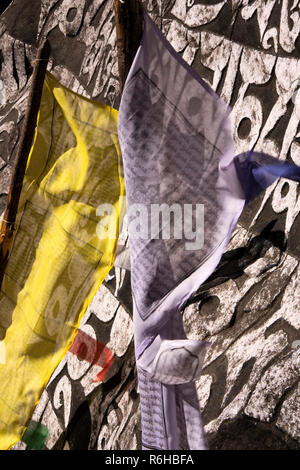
(249, 52)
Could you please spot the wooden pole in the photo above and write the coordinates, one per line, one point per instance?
(25, 143)
(129, 28)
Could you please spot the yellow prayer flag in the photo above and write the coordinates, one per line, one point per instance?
(57, 261)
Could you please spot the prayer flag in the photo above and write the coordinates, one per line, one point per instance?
(185, 192)
(72, 193)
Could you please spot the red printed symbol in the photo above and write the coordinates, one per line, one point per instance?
(89, 349)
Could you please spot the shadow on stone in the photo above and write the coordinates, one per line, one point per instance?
(247, 434)
(78, 432)
(4, 5)
(233, 262)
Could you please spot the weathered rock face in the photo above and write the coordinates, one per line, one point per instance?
(248, 309)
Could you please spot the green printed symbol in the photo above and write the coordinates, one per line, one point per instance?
(35, 435)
